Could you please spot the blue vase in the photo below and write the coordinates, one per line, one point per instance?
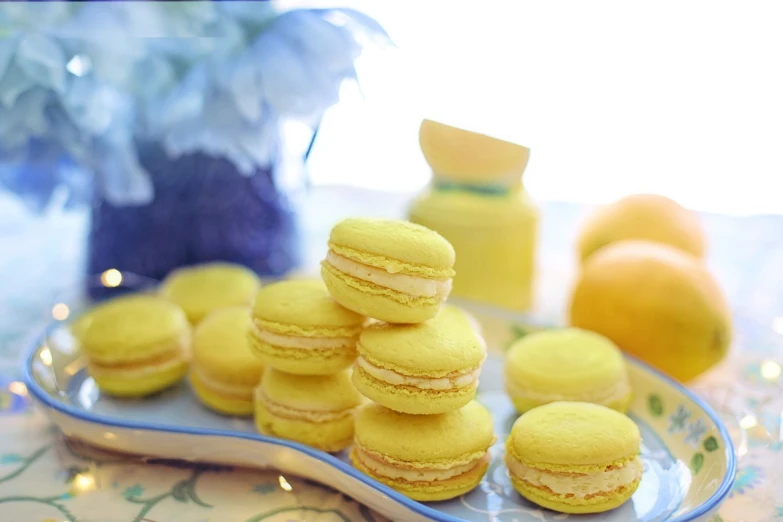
(203, 210)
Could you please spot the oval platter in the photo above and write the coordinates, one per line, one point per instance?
(689, 463)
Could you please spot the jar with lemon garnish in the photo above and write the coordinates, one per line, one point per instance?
(477, 201)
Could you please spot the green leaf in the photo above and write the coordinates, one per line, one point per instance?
(710, 443)
(11, 458)
(655, 403)
(180, 491)
(697, 461)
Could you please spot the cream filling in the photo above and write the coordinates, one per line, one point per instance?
(139, 371)
(275, 408)
(615, 392)
(304, 343)
(407, 284)
(578, 485)
(234, 390)
(416, 475)
(424, 383)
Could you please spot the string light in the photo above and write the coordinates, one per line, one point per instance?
(60, 311)
(46, 356)
(83, 482)
(111, 278)
(748, 421)
(17, 388)
(284, 483)
(770, 370)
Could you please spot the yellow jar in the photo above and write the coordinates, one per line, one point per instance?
(493, 229)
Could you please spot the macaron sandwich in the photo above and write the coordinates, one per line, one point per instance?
(426, 368)
(224, 371)
(199, 289)
(298, 328)
(574, 457)
(135, 345)
(425, 457)
(391, 270)
(567, 364)
(317, 410)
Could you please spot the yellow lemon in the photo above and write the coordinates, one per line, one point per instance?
(464, 156)
(655, 302)
(642, 216)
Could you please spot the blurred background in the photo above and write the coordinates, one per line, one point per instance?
(612, 98)
(678, 99)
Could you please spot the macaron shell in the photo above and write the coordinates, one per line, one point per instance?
(303, 361)
(121, 384)
(407, 399)
(222, 350)
(310, 392)
(377, 302)
(218, 402)
(328, 436)
(523, 405)
(463, 434)
(304, 308)
(445, 344)
(429, 491)
(131, 328)
(574, 505)
(573, 436)
(202, 288)
(567, 361)
(394, 240)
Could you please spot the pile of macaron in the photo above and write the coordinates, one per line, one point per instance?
(369, 357)
(573, 449)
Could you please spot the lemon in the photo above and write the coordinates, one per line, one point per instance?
(642, 216)
(655, 302)
(465, 156)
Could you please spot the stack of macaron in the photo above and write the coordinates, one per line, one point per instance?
(307, 342)
(418, 361)
(573, 450)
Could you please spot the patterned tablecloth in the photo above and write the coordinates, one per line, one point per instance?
(45, 478)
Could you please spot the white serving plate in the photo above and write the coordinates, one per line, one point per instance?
(688, 456)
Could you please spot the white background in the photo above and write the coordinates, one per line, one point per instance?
(679, 98)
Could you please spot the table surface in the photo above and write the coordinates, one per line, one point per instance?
(43, 477)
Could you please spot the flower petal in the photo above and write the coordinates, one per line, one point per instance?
(12, 84)
(7, 50)
(43, 60)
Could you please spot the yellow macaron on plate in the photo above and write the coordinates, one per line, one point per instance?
(686, 461)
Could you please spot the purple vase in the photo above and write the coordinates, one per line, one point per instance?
(203, 210)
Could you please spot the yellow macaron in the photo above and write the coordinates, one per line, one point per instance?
(224, 371)
(464, 156)
(135, 345)
(317, 410)
(426, 368)
(568, 364)
(425, 457)
(298, 328)
(391, 270)
(202, 288)
(574, 457)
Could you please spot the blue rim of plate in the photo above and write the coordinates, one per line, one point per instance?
(42, 396)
